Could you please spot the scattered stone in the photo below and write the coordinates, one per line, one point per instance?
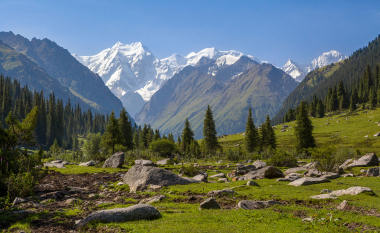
(350, 191)
(201, 177)
(88, 164)
(252, 183)
(244, 169)
(56, 195)
(91, 195)
(119, 183)
(312, 165)
(373, 171)
(313, 173)
(132, 213)
(151, 200)
(71, 201)
(222, 180)
(163, 162)
(265, 172)
(154, 187)
(144, 162)
(295, 170)
(343, 205)
(259, 164)
(367, 160)
(18, 200)
(377, 134)
(219, 193)
(348, 175)
(290, 177)
(308, 181)
(219, 175)
(209, 203)
(308, 219)
(324, 191)
(252, 205)
(139, 177)
(56, 163)
(115, 161)
(330, 175)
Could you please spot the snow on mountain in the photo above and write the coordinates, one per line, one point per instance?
(134, 74)
(325, 59)
(298, 72)
(294, 70)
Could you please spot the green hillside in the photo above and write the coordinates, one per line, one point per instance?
(343, 130)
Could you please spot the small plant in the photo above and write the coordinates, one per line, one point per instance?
(282, 159)
(20, 185)
(325, 158)
(190, 171)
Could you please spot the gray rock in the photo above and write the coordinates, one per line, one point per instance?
(88, 164)
(219, 175)
(259, 164)
(56, 163)
(343, 205)
(201, 177)
(219, 193)
(252, 183)
(290, 177)
(313, 173)
(153, 199)
(244, 169)
(265, 172)
(377, 134)
(330, 175)
(312, 165)
(18, 200)
(132, 213)
(144, 162)
(209, 203)
(295, 170)
(350, 191)
(252, 205)
(373, 171)
(163, 162)
(115, 161)
(223, 180)
(348, 175)
(308, 181)
(367, 160)
(139, 177)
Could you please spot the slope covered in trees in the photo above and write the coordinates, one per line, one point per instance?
(318, 82)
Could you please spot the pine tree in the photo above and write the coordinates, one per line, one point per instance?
(125, 129)
(251, 134)
(209, 132)
(268, 137)
(372, 98)
(304, 129)
(187, 137)
(320, 109)
(111, 136)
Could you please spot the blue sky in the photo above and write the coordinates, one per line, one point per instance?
(270, 30)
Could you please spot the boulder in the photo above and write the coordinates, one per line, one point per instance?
(295, 170)
(140, 177)
(251, 205)
(343, 205)
(163, 162)
(244, 169)
(219, 175)
(132, 213)
(330, 175)
(313, 173)
(350, 191)
(265, 172)
(252, 183)
(144, 162)
(367, 160)
(290, 177)
(209, 203)
(201, 177)
(373, 171)
(308, 181)
(153, 199)
(311, 165)
(56, 163)
(18, 200)
(348, 175)
(219, 193)
(115, 161)
(88, 164)
(259, 164)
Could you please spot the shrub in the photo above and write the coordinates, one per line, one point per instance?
(163, 147)
(20, 185)
(190, 171)
(326, 158)
(282, 159)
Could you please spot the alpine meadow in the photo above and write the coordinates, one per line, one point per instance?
(196, 116)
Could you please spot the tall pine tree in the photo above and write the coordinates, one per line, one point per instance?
(251, 134)
(209, 132)
(304, 128)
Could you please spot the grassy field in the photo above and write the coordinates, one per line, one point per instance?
(352, 131)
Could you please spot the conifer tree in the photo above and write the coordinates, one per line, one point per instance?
(320, 109)
(304, 128)
(251, 134)
(372, 98)
(268, 137)
(209, 132)
(111, 136)
(125, 128)
(187, 137)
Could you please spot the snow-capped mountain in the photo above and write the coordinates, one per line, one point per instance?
(134, 74)
(294, 70)
(298, 72)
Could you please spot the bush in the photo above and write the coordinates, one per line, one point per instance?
(163, 147)
(20, 185)
(190, 171)
(326, 159)
(282, 159)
